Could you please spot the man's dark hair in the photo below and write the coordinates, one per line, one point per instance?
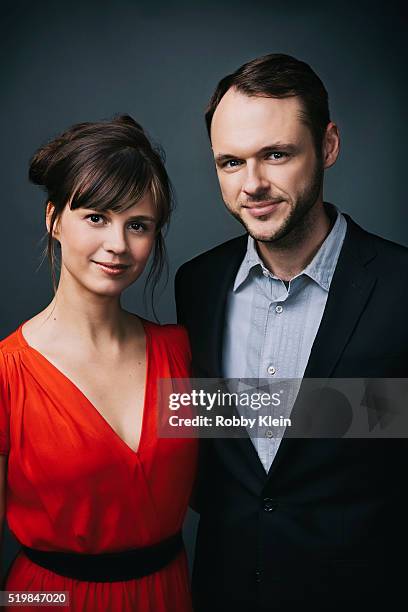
(279, 76)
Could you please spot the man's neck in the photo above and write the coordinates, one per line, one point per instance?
(287, 260)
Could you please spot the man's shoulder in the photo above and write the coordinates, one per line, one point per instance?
(382, 247)
(392, 251)
(236, 248)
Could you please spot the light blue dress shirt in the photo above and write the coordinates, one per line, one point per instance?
(271, 327)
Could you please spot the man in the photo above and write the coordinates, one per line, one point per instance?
(312, 524)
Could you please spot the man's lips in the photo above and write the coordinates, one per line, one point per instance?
(259, 209)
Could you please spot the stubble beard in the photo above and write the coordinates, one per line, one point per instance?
(299, 222)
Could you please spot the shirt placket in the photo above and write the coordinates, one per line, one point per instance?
(275, 294)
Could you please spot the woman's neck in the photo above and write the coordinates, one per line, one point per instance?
(96, 320)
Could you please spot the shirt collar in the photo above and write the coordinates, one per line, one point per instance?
(320, 269)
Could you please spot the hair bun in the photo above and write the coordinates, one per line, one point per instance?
(127, 120)
(44, 160)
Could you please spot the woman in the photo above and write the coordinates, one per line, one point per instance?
(94, 496)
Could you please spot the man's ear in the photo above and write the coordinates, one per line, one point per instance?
(331, 145)
(49, 211)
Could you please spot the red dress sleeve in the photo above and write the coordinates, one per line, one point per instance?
(180, 345)
(4, 408)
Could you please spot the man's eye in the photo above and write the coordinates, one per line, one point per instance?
(276, 155)
(231, 163)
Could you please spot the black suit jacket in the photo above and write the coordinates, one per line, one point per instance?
(326, 528)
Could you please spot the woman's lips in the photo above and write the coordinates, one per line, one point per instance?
(111, 269)
(259, 210)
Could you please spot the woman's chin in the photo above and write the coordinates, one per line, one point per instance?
(106, 289)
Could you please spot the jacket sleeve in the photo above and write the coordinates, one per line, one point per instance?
(181, 290)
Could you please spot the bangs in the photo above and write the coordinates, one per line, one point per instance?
(104, 166)
(113, 182)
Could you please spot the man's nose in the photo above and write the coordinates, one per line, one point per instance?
(115, 239)
(255, 182)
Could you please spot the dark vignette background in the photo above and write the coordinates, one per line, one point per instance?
(65, 62)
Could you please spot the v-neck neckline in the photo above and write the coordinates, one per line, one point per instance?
(94, 409)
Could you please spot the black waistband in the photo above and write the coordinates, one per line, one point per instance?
(109, 567)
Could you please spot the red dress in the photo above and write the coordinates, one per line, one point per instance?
(74, 485)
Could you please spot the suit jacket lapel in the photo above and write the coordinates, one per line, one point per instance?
(218, 286)
(349, 292)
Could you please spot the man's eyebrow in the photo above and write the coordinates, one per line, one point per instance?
(222, 157)
(276, 146)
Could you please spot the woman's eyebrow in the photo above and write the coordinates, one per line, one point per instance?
(142, 218)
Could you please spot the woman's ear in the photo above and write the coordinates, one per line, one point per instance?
(49, 212)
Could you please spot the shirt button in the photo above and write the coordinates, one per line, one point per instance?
(269, 433)
(278, 309)
(271, 370)
(265, 273)
(269, 505)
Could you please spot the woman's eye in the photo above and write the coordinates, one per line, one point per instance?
(137, 227)
(95, 219)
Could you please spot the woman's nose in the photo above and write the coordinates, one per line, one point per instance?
(115, 240)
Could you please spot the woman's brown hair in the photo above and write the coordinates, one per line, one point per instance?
(106, 165)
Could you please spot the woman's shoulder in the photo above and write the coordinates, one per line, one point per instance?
(12, 342)
(170, 349)
(170, 340)
(10, 347)
(169, 332)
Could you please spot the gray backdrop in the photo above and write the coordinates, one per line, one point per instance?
(64, 62)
